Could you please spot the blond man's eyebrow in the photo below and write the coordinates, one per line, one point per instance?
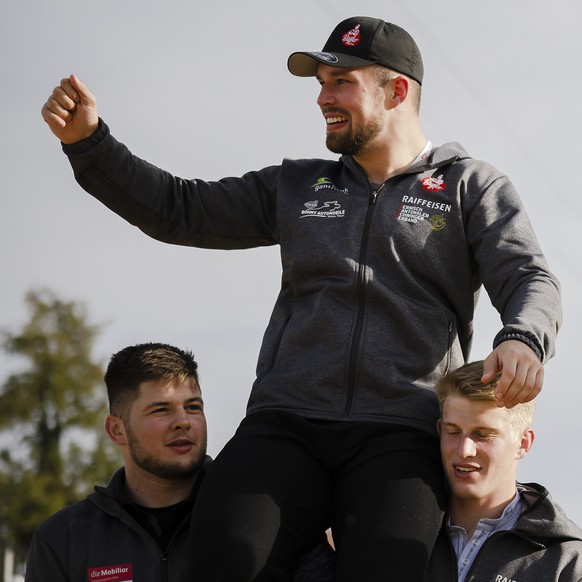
(473, 428)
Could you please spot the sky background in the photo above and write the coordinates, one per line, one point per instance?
(201, 89)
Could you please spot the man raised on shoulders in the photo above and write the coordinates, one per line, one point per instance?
(380, 274)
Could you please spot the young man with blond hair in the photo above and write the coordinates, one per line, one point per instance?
(496, 529)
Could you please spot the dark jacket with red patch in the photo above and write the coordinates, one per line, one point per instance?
(379, 284)
(103, 539)
(101, 535)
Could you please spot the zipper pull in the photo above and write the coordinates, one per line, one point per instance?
(375, 194)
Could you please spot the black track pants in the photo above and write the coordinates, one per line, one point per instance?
(282, 480)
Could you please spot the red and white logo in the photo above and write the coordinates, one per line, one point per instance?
(434, 184)
(119, 573)
(352, 37)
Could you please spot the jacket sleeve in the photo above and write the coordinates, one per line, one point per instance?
(43, 564)
(232, 213)
(511, 264)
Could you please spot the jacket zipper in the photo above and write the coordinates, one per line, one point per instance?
(361, 292)
(165, 566)
(166, 554)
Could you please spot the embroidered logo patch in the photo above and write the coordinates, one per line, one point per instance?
(326, 183)
(437, 222)
(408, 213)
(330, 209)
(416, 210)
(120, 573)
(434, 184)
(352, 37)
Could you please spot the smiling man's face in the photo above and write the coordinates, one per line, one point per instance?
(166, 429)
(480, 450)
(352, 103)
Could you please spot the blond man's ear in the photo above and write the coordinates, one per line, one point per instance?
(525, 443)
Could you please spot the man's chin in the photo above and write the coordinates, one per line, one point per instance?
(178, 473)
(331, 146)
(338, 146)
(465, 491)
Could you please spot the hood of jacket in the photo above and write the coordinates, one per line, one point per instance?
(546, 521)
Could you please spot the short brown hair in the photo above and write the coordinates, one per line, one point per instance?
(384, 75)
(133, 365)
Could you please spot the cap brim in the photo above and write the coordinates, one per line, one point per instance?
(305, 64)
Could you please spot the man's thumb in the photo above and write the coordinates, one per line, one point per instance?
(490, 368)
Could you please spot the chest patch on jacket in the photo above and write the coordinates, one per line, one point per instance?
(432, 184)
(321, 209)
(330, 206)
(120, 573)
(414, 210)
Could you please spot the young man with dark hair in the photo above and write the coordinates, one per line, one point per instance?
(136, 528)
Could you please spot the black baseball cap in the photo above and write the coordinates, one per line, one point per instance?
(361, 41)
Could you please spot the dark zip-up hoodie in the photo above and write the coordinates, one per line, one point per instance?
(379, 284)
(544, 546)
(98, 539)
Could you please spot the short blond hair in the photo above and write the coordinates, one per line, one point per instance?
(466, 381)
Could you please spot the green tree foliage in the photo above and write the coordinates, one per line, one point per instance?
(52, 444)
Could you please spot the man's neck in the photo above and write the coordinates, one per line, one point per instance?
(468, 513)
(152, 491)
(382, 161)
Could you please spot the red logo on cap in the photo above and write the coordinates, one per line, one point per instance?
(352, 37)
